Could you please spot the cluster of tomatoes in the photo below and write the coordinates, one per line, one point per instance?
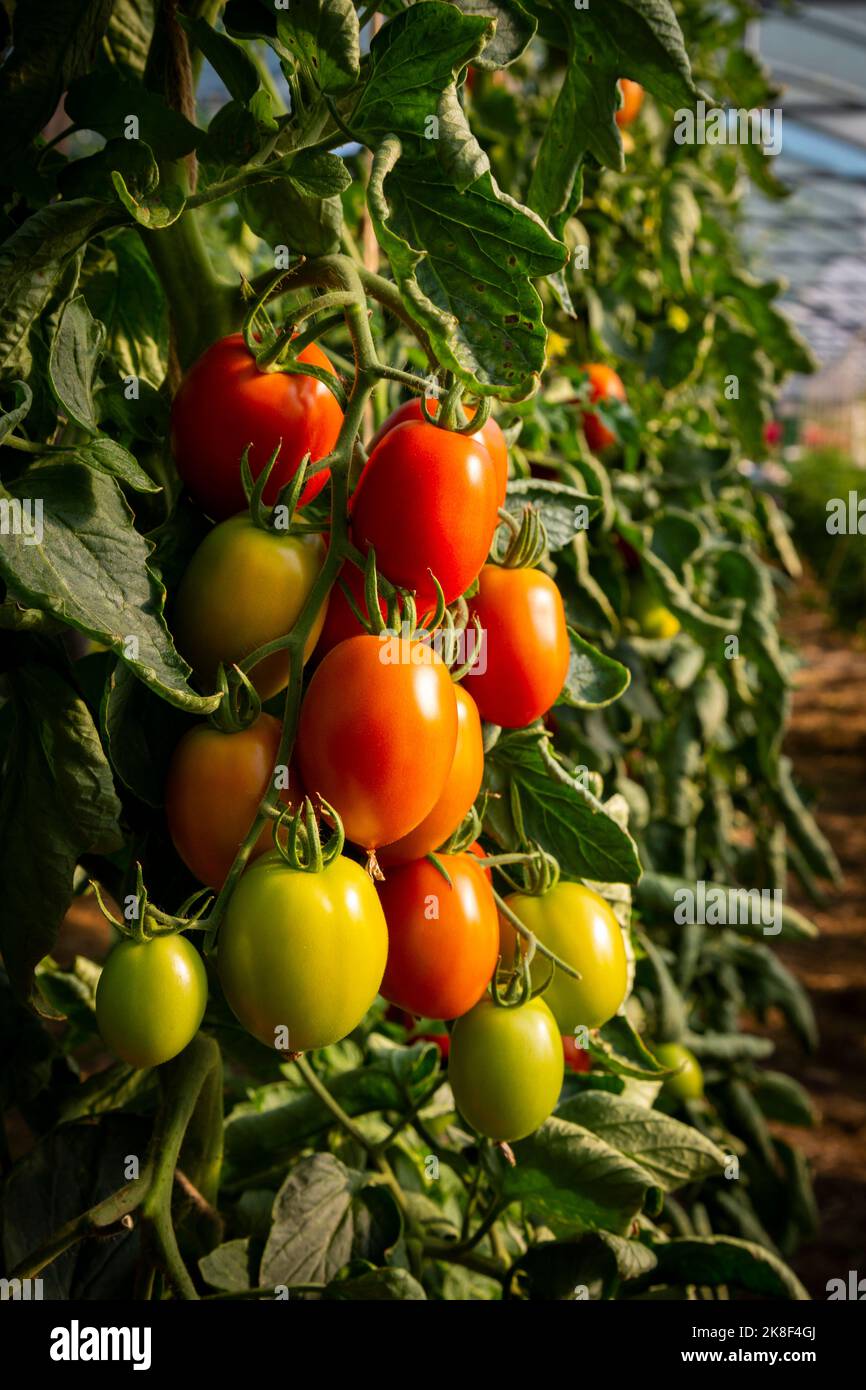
(386, 739)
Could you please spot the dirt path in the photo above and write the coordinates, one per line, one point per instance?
(827, 742)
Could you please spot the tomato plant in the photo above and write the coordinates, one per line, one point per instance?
(443, 937)
(245, 230)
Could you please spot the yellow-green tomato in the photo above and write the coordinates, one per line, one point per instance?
(506, 1067)
(301, 955)
(653, 619)
(244, 587)
(579, 927)
(688, 1081)
(151, 999)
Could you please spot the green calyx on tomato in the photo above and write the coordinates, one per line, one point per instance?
(150, 999)
(213, 789)
(377, 735)
(525, 648)
(577, 925)
(506, 1067)
(443, 941)
(301, 955)
(687, 1083)
(226, 404)
(245, 587)
(427, 503)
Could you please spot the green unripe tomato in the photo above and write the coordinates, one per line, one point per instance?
(506, 1067)
(653, 619)
(579, 927)
(303, 953)
(151, 998)
(688, 1083)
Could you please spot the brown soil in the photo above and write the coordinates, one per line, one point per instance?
(827, 742)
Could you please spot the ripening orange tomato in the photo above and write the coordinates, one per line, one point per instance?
(632, 101)
(461, 788)
(214, 785)
(490, 435)
(604, 384)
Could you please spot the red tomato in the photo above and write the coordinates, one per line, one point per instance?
(632, 101)
(443, 943)
(427, 501)
(225, 403)
(576, 1058)
(340, 622)
(604, 385)
(490, 435)
(214, 785)
(461, 788)
(525, 644)
(377, 735)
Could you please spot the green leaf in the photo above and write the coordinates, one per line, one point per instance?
(564, 510)
(153, 211)
(129, 33)
(130, 301)
(228, 1266)
(673, 1153)
(324, 36)
(282, 216)
(377, 1286)
(621, 1051)
(681, 220)
(319, 174)
(715, 1260)
(321, 1222)
(104, 101)
(73, 362)
(90, 571)
(51, 45)
(660, 896)
(562, 815)
(275, 1123)
(782, 1098)
(58, 802)
(65, 1174)
(463, 261)
(107, 456)
(33, 263)
(594, 679)
(11, 419)
(513, 33)
(558, 1269)
(622, 38)
(753, 304)
(575, 1181)
(139, 733)
(414, 59)
(229, 61)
